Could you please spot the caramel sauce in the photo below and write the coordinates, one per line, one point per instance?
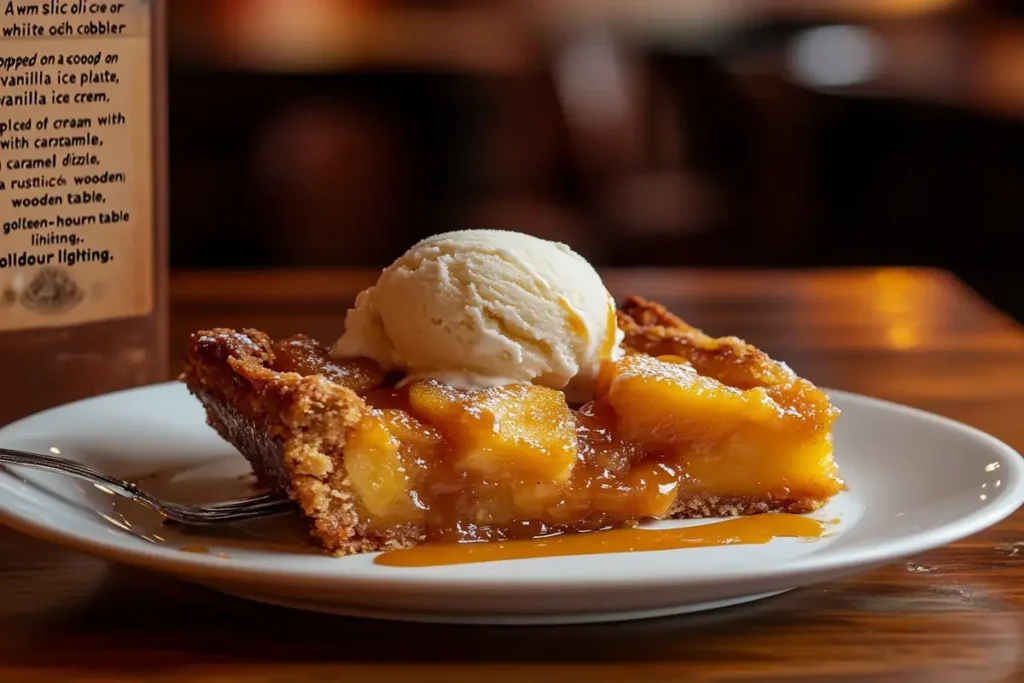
(197, 549)
(302, 355)
(573, 319)
(609, 335)
(753, 530)
(579, 326)
(202, 550)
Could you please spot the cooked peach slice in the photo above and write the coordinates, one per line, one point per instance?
(381, 466)
(659, 402)
(726, 441)
(515, 431)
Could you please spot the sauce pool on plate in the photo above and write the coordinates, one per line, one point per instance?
(751, 530)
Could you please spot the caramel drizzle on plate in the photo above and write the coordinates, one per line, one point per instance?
(755, 529)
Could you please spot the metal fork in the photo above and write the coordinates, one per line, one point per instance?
(234, 511)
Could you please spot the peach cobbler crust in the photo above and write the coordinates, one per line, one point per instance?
(293, 415)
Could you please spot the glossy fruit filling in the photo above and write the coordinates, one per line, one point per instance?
(517, 461)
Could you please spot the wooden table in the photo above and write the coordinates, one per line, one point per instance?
(914, 336)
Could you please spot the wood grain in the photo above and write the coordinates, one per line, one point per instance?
(954, 614)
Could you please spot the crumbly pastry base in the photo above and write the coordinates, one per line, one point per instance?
(292, 428)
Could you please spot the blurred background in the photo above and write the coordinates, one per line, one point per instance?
(748, 133)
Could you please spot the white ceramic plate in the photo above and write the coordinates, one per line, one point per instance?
(916, 481)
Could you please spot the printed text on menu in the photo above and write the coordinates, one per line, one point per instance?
(76, 169)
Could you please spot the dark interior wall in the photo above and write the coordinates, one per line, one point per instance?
(346, 170)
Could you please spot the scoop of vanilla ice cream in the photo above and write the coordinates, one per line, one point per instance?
(482, 308)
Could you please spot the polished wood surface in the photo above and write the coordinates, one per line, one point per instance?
(914, 336)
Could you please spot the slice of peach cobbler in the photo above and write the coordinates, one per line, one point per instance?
(678, 424)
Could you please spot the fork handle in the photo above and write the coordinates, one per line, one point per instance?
(49, 463)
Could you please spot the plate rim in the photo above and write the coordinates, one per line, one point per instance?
(1000, 507)
(512, 619)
